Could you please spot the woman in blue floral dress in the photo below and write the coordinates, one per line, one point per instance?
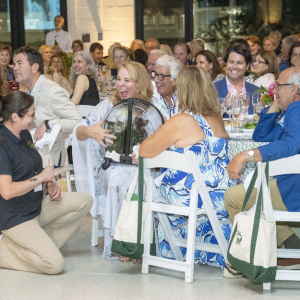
(200, 129)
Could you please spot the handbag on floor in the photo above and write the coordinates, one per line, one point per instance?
(129, 237)
(253, 248)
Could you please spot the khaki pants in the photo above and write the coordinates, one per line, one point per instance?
(34, 245)
(234, 199)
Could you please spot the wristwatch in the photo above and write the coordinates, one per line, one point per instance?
(47, 124)
(251, 155)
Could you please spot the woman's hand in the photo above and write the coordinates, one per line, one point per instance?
(100, 134)
(295, 61)
(54, 191)
(47, 174)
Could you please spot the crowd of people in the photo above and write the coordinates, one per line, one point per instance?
(41, 90)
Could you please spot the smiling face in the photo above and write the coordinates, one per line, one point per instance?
(296, 53)
(268, 45)
(25, 121)
(4, 58)
(202, 62)
(236, 67)
(47, 54)
(97, 55)
(23, 71)
(165, 87)
(58, 23)
(259, 66)
(57, 64)
(125, 86)
(119, 57)
(79, 65)
(76, 47)
(253, 47)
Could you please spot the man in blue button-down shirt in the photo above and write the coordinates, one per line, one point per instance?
(284, 138)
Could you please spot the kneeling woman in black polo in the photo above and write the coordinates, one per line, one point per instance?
(36, 219)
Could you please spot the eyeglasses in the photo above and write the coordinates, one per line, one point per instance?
(278, 85)
(161, 77)
(258, 62)
(30, 115)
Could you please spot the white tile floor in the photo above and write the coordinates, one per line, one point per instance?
(88, 276)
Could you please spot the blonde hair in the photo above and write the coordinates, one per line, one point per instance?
(196, 92)
(43, 48)
(139, 76)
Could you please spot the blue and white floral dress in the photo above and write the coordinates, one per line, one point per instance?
(175, 186)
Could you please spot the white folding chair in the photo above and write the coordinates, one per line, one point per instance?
(290, 165)
(85, 110)
(186, 163)
(65, 169)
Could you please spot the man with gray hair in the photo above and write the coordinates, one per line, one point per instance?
(284, 138)
(165, 74)
(286, 45)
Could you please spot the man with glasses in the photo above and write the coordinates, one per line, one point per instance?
(279, 125)
(165, 74)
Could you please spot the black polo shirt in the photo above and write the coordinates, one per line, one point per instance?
(21, 160)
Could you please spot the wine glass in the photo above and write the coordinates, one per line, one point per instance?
(100, 83)
(246, 100)
(257, 106)
(222, 105)
(236, 105)
(109, 84)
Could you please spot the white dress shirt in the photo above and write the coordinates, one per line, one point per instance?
(63, 38)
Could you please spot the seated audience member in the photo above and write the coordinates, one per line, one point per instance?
(8, 71)
(108, 187)
(167, 49)
(254, 43)
(137, 44)
(206, 60)
(165, 74)
(58, 72)
(237, 61)
(33, 226)
(276, 37)
(52, 102)
(182, 52)
(284, 138)
(3, 85)
(268, 44)
(83, 77)
(294, 55)
(58, 36)
(120, 55)
(286, 46)
(109, 59)
(46, 52)
(151, 44)
(196, 45)
(77, 45)
(203, 133)
(140, 56)
(265, 68)
(96, 50)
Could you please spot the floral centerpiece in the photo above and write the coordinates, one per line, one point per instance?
(267, 96)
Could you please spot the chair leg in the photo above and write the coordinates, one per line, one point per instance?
(95, 225)
(267, 286)
(68, 181)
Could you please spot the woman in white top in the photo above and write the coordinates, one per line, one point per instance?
(265, 68)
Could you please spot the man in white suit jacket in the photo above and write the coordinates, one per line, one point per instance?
(52, 102)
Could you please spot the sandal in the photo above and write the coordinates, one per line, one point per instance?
(124, 259)
(137, 261)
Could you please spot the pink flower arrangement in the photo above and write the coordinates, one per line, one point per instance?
(267, 96)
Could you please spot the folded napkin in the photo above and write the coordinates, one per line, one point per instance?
(48, 137)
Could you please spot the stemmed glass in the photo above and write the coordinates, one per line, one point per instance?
(222, 104)
(100, 83)
(236, 105)
(109, 84)
(257, 106)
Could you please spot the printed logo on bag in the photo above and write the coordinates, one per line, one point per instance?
(238, 237)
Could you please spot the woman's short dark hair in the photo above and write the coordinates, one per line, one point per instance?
(289, 58)
(140, 56)
(245, 52)
(15, 102)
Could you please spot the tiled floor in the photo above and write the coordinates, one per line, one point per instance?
(88, 276)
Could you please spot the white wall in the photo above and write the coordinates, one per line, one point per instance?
(114, 18)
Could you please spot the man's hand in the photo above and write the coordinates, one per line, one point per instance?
(236, 165)
(40, 132)
(54, 191)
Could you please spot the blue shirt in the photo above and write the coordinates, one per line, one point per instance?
(284, 138)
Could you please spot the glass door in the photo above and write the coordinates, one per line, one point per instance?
(5, 22)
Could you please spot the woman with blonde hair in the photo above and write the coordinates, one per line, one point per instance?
(203, 133)
(83, 78)
(89, 145)
(265, 68)
(46, 52)
(58, 72)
